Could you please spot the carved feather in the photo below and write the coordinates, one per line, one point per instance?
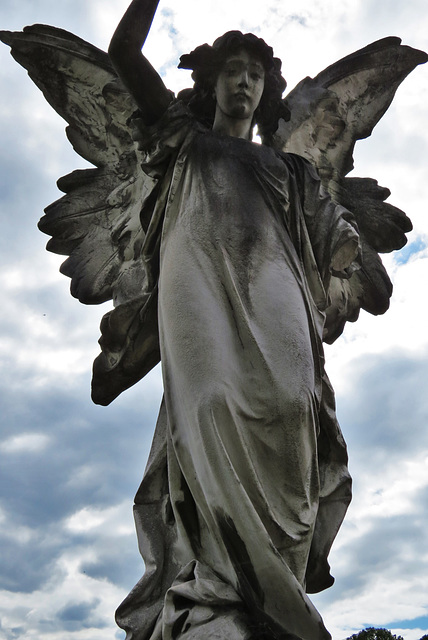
(101, 220)
(329, 114)
(97, 222)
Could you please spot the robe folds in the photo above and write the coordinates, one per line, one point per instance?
(247, 483)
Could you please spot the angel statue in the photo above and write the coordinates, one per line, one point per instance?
(230, 262)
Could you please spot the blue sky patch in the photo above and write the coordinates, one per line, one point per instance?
(410, 250)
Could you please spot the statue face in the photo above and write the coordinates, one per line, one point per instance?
(240, 85)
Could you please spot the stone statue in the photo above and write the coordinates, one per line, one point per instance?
(230, 262)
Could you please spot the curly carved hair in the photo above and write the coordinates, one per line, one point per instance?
(206, 63)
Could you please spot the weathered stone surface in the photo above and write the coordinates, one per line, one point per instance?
(221, 257)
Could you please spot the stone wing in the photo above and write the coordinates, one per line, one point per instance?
(329, 113)
(99, 222)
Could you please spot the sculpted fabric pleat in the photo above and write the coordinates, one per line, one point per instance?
(240, 339)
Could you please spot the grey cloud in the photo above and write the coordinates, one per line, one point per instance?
(69, 14)
(82, 434)
(80, 615)
(25, 191)
(122, 567)
(301, 20)
(392, 14)
(25, 567)
(12, 634)
(385, 144)
(386, 413)
(390, 548)
(384, 419)
(43, 488)
(74, 617)
(95, 456)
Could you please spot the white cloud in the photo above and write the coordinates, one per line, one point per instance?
(39, 614)
(385, 493)
(383, 600)
(401, 330)
(25, 443)
(113, 521)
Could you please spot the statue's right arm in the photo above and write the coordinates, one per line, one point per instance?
(137, 74)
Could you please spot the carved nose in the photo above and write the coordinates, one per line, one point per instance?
(243, 81)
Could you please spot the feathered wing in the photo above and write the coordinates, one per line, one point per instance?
(97, 222)
(328, 115)
(101, 220)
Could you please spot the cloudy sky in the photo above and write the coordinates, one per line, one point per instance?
(69, 469)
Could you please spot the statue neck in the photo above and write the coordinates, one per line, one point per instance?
(235, 127)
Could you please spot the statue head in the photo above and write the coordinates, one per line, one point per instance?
(207, 62)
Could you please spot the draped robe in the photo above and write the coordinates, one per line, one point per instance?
(246, 484)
